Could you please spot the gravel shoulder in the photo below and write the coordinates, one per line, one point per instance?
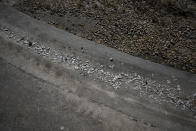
(133, 27)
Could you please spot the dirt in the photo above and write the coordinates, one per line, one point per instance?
(135, 27)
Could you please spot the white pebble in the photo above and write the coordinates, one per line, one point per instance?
(62, 128)
(26, 42)
(111, 59)
(168, 81)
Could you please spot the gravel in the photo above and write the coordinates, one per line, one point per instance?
(134, 27)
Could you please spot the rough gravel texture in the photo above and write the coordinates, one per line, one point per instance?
(135, 27)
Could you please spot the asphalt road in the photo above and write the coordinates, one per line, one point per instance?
(28, 103)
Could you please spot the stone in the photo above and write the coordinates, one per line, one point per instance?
(26, 42)
(62, 128)
(111, 59)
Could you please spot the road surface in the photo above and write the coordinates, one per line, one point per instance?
(53, 80)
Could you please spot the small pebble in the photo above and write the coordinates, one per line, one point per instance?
(5, 29)
(111, 59)
(76, 67)
(178, 88)
(116, 87)
(26, 42)
(111, 66)
(10, 36)
(168, 81)
(62, 128)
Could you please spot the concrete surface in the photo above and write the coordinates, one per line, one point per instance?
(28, 103)
(108, 89)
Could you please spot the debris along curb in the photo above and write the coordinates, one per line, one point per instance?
(51, 74)
(133, 86)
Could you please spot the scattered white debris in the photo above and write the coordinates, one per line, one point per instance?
(145, 86)
(117, 77)
(91, 70)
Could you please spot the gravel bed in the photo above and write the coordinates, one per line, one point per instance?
(134, 27)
